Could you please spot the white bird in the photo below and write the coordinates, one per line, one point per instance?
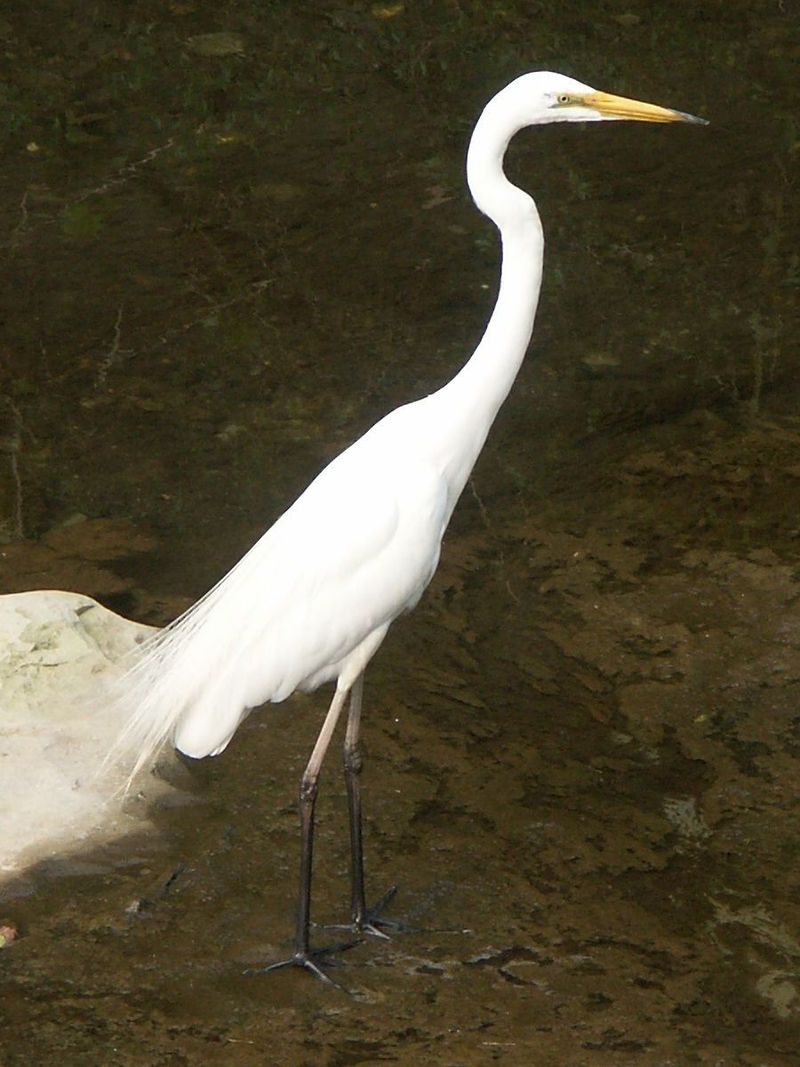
(313, 599)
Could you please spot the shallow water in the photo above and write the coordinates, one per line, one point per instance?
(582, 747)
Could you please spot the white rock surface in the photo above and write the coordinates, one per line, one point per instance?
(58, 651)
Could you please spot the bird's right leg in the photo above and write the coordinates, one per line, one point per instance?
(303, 955)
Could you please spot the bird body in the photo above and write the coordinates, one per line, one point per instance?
(313, 598)
(273, 627)
(312, 601)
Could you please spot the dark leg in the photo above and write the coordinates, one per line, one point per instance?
(303, 956)
(352, 776)
(363, 921)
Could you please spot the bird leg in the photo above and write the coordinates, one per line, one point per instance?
(303, 956)
(362, 919)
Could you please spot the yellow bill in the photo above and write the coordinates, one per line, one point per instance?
(620, 107)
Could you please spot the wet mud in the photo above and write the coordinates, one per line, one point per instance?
(582, 748)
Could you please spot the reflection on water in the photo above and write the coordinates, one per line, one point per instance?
(582, 747)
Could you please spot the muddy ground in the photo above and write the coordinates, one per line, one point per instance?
(226, 258)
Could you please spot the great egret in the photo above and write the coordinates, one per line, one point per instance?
(312, 601)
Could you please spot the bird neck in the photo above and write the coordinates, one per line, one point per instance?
(481, 386)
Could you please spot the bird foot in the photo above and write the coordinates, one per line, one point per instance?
(314, 961)
(373, 923)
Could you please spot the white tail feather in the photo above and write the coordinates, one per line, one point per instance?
(173, 673)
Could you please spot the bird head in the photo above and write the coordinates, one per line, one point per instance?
(547, 97)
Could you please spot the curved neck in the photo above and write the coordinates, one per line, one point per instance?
(482, 385)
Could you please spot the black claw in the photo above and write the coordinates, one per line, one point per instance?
(384, 902)
(306, 961)
(313, 961)
(373, 929)
(373, 924)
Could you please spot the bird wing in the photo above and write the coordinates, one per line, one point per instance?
(353, 552)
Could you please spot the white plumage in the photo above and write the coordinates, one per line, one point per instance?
(313, 599)
(310, 602)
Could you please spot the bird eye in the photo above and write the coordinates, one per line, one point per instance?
(564, 98)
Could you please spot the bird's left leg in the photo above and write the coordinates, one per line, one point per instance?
(364, 920)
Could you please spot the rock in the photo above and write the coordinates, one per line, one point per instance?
(59, 652)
